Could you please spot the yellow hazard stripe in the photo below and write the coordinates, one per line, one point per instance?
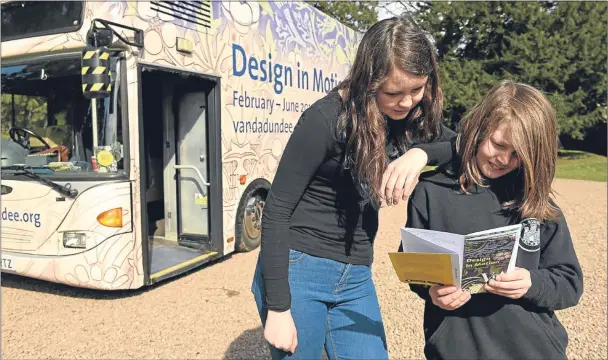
(104, 56)
(89, 54)
(96, 86)
(182, 265)
(84, 70)
(99, 70)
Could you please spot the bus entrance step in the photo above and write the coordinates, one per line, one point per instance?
(166, 260)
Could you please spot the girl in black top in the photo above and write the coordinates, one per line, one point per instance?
(348, 156)
(507, 155)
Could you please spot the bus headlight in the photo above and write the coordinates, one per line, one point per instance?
(74, 240)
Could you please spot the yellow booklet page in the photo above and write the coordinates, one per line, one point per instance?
(423, 268)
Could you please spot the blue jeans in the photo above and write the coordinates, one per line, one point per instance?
(334, 307)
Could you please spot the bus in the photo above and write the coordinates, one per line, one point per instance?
(140, 139)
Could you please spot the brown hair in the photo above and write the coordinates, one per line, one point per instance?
(533, 128)
(391, 43)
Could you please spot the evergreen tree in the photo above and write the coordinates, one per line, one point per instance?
(559, 47)
(358, 15)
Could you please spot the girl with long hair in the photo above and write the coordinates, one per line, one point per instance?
(359, 148)
(507, 151)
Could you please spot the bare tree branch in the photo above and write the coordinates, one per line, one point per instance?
(396, 8)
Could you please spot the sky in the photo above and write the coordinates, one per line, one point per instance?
(383, 13)
(387, 6)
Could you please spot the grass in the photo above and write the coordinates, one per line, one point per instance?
(580, 165)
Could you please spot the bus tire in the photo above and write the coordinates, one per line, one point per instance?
(248, 226)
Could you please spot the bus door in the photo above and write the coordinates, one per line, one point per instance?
(192, 169)
(181, 186)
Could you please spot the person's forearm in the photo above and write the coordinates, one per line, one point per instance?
(442, 150)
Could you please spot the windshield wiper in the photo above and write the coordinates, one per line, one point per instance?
(62, 189)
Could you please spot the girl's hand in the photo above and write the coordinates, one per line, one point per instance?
(401, 176)
(280, 331)
(512, 285)
(448, 297)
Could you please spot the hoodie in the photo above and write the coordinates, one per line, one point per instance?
(490, 326)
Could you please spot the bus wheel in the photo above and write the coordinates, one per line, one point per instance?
(248, 230)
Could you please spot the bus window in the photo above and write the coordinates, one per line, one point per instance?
(22, 19)
(47, 123)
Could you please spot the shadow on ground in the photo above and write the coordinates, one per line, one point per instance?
(36, 285)
(252, 345)
(249, 345)
(571, 155)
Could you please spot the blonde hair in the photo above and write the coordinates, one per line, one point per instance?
(532, 123)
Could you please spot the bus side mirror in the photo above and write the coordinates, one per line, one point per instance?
(96, 74)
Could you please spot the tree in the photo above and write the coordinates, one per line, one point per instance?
(30, 112)
(397, 8)
(559, 47)
(358, 15)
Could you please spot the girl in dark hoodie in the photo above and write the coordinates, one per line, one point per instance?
(507, 154)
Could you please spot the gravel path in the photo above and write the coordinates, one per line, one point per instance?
(210, 313)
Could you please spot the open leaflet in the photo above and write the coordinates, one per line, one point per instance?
(467, 261)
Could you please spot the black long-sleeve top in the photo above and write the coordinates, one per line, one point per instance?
(314, 207)
(491, 326)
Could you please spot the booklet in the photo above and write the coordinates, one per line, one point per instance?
(466, 261)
